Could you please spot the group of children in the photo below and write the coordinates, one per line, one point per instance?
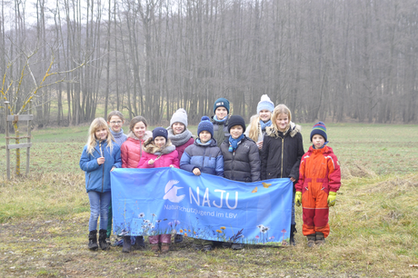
(271, 147)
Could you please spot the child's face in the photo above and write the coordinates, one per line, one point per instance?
(221, 112)
(159, 141)
(204, 136)
(178, 128)
(139, 129)
(318, 141)
(115, 123)
(282, 121)
(236, 131)
(265, 115)
(101, 133)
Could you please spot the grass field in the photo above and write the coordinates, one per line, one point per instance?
(374, 233)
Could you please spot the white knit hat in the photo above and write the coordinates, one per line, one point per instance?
(265, 103)
(180, 116)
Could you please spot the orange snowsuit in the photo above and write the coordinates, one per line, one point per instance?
(319, 173)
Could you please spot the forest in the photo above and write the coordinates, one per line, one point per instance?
(334, 60)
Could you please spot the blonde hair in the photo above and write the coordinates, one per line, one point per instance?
(280, 109)
(91, 141)
(254, 130)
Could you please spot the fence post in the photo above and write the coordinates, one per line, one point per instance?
(6, 106)
(29, 139)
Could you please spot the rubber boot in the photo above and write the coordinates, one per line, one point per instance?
(293, 231)
(102, 240)
(165, 247)
(93, 240)
(139, 243)
(319, 238)
(126, 244)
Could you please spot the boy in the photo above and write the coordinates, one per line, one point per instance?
(319, 181)
(220, 120)
(204, 156)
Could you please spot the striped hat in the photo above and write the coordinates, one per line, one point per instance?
(319, 128)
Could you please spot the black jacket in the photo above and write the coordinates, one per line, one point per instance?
(243, 164)
(281, 153)
(220, 131)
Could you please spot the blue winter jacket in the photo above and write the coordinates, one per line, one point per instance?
(98, 176)
(208, 158)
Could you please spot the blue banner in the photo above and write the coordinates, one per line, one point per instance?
(169, 200)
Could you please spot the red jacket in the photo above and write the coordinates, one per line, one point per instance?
(321, 165)
(180, 149)
(169, 156)
(131, 150)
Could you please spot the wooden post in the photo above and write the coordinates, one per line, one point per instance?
(29, 139)
(6, 106)
(17, 135)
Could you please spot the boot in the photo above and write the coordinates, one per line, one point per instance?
(139, 243)
(319, 238)
(293, 231)
(311, 240)
(178, 238)
(126, 244)
(93, 240)
(155, 248)
(102, 240)
(165, 247)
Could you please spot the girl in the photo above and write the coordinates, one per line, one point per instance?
(181, 137)
(204, 156)
(220, 120)
(281, 153)
(131, 152)
(159, 152)
(116, 120)
(99, 157)
(258, 123)
(241, 158)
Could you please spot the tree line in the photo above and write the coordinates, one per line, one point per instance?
(334, 60)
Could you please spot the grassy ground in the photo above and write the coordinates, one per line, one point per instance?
(374, 233)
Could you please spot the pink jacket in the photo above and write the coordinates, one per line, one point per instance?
(169, 156)
(131, 150)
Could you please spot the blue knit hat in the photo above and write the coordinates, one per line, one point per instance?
(160, 131)
(221, 102)
(265, 103)
(319, 128)
(205, 124)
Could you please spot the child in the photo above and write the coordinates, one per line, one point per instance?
(99, 157)
(281, 153)
(181, 137)
(115, 120)
(178, 133)
(241, 158)
(319, 181)
(220, 120)
(159, 152)
(131, 152)
(204, 156)
(258, 123)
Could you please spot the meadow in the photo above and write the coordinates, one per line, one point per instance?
(374, 233)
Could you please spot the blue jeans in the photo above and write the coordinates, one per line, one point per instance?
(99, 205)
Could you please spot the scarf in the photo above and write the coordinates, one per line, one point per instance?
(203, 144)
(220, 121)
(263, 125)
(179, 139)
(233, 143)
(117, 135)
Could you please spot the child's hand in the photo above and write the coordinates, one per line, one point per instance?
(113, 168)
(171, 166)
(292, 179)
(260, 145)
(331, 198)
(101, 160)
(196, 171)
(298, 198)
(150, 162)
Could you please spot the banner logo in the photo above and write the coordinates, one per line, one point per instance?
(171, 192)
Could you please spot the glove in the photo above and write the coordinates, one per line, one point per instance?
(298, 198)
(331, 198)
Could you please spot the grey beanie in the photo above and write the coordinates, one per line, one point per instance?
(180, 116)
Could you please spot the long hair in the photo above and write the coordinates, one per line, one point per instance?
(280, 109)
(254, 128)
(136, 120)
(91, 141)
(115, 113)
